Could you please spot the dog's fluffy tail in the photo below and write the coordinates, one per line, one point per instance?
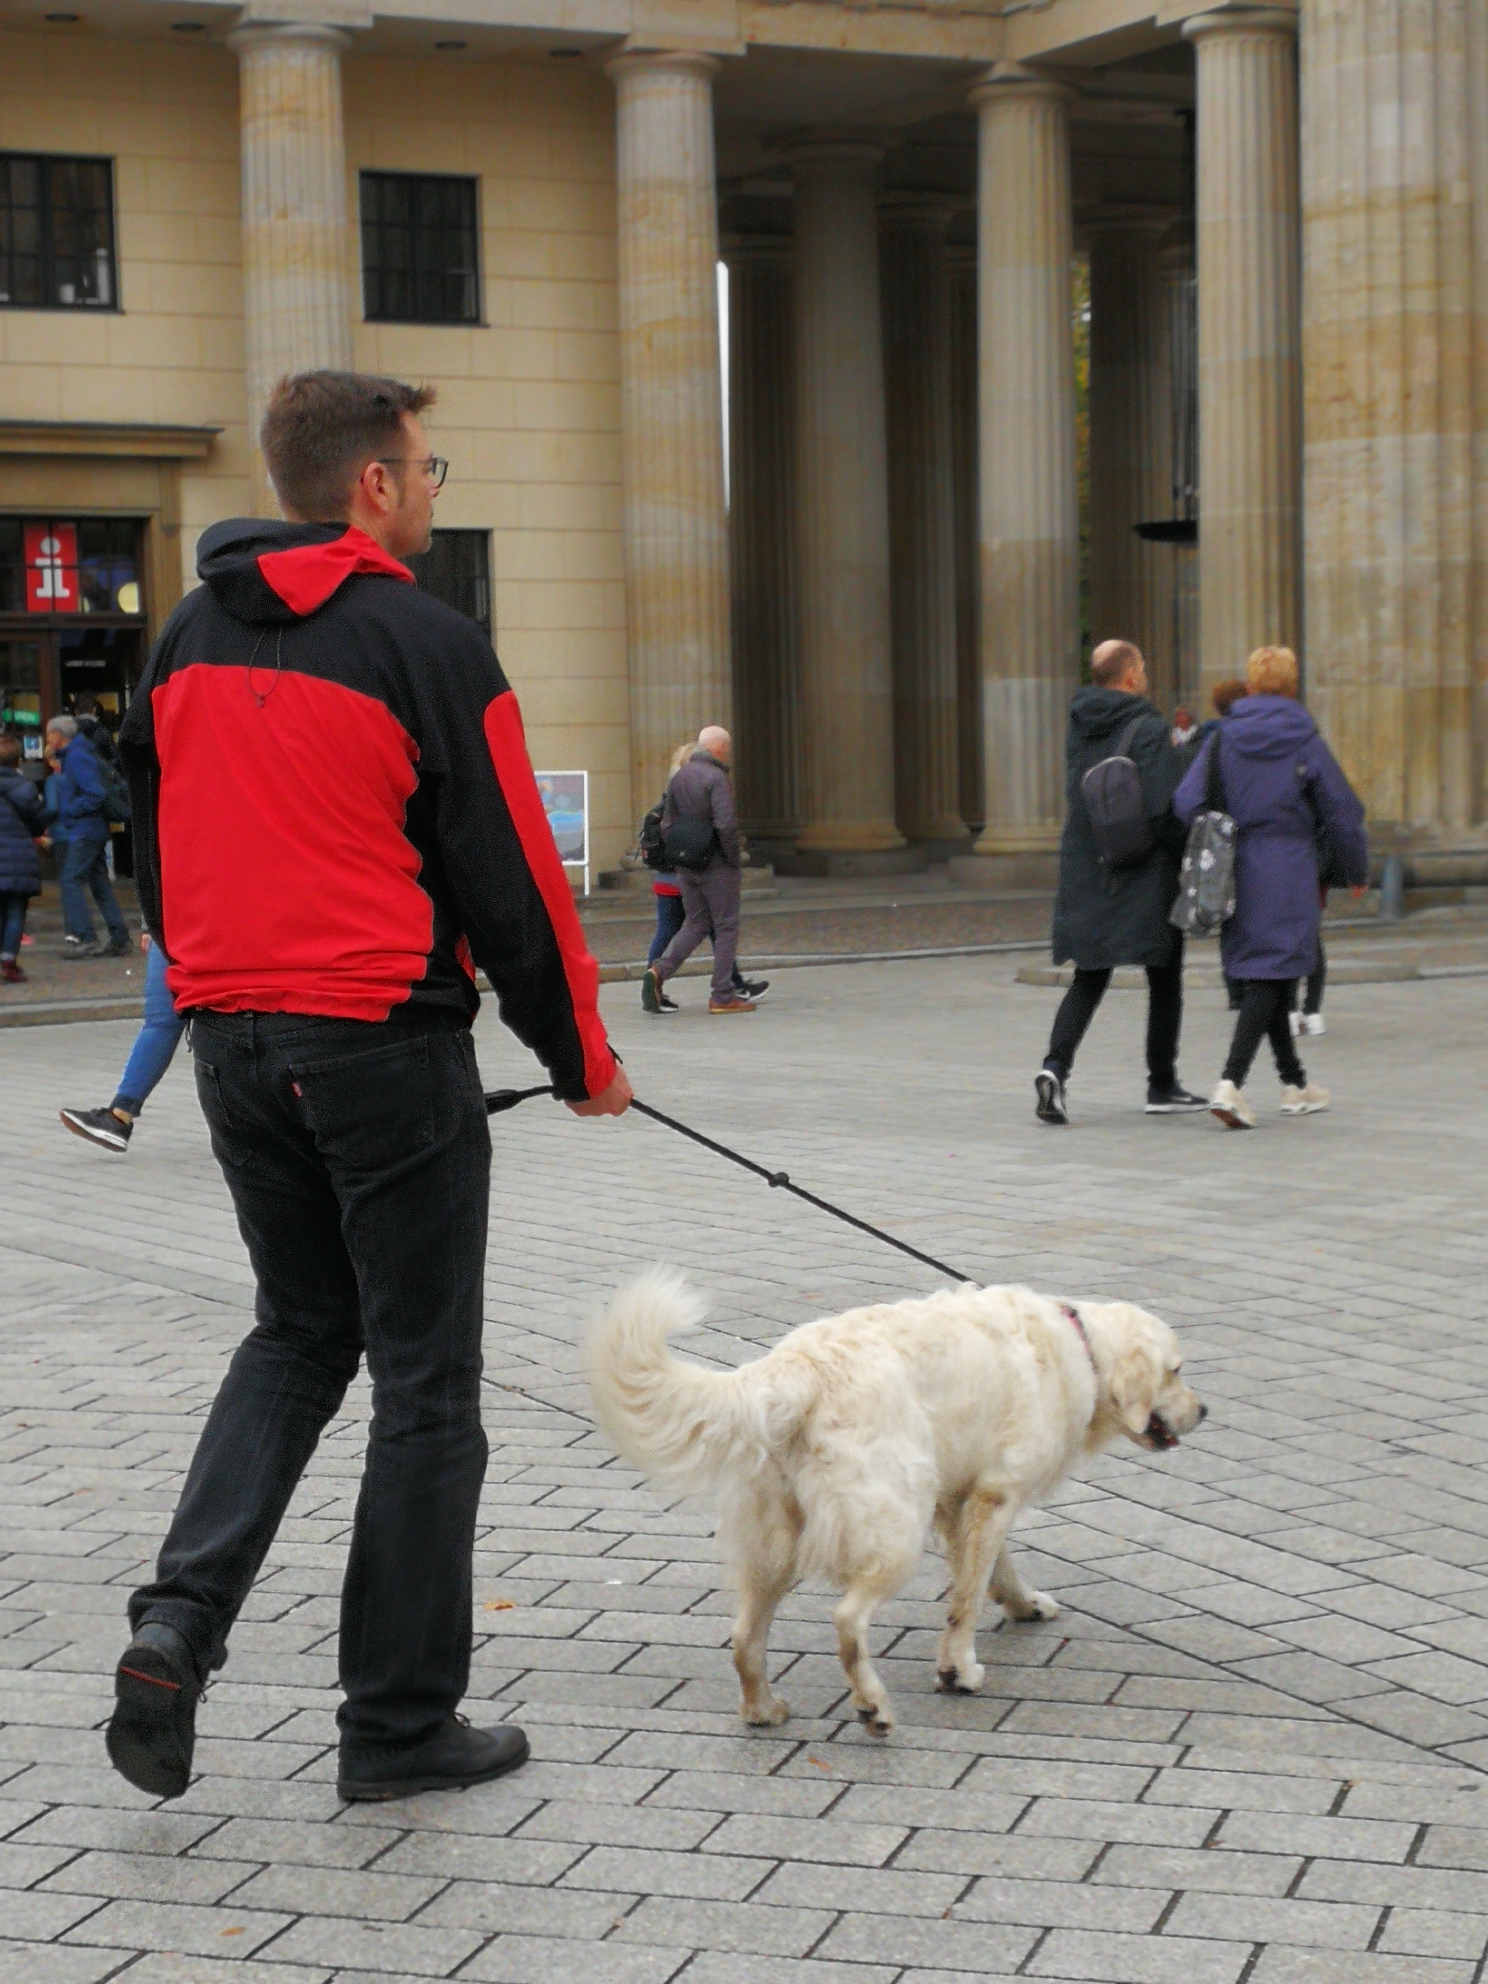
(674, 1421)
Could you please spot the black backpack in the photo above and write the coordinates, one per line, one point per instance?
(117, 809)
(649, 842)
(1112, 791)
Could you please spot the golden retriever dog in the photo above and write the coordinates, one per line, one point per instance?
(835, 1453)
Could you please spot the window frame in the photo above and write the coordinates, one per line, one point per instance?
(472, 533)
(377, 272)
(47, 256)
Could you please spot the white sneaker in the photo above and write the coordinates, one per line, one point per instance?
(1313, 1023)
(1294, 1022)
(1304, 1101)
(1230, 1106)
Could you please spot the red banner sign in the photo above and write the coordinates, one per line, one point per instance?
(51, 568)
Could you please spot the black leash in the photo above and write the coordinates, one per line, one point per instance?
(508, 1098)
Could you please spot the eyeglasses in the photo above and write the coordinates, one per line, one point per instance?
(434, 466)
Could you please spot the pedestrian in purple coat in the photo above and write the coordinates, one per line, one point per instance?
(1281, 784)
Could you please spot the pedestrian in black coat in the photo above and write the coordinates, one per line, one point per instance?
(1104, 917)
(20, 870)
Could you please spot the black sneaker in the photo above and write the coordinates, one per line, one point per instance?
(664, 1004)
(74, 947)
(119, 947)
(456, 1757)
(153, 1730)
(1174, 1101)
(99, 1126)
(752, 988)
(1051, 1105)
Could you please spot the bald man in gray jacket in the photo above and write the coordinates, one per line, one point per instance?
(700, 831)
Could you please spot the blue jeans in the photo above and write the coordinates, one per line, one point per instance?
(670, 916)
(85, 870)
(12, 923)
(157, 1040)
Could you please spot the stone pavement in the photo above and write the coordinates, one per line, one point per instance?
(1254, 1747)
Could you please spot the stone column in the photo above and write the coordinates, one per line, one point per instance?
(922, 519)
(1029, 515)
(762, 539)
(1131, 445)
(296, 266)
(676, 546)
(842, 511)
(962, 263)
(1250, 438)
(1180, 305)
(1395, 350)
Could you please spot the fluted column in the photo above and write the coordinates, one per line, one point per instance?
(842, 505)
(962, 263)
(296, 268)
(676, 549)
(1395, 353)
(922, 518)
(1250, 439)
(762, 546)
(1029, 514)
(1131, 445)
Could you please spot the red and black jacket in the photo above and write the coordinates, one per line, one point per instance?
(334, 808)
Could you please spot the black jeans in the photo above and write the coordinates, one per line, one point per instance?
(358, 1158)
(1164, 1019)
(1317, 983)
(1263, 1015)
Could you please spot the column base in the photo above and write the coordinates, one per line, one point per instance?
(839, 863)
(1032, 869)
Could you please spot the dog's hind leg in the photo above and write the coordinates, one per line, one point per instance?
(870, 1698)
(760, 1591)
(975, 1536)
(1017, 1599)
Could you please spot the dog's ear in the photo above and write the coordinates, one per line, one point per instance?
(1133, 1387)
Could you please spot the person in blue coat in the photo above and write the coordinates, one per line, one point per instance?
(21, 820)
(82, 822)
(1280, 784)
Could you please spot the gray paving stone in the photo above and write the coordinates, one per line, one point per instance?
(397, 1946)
(1264, 1919)
(1078, 1953)
(952, 1946)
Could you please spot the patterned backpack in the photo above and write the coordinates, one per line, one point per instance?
(1206, 882)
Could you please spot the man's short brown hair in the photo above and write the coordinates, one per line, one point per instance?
(1111, 661)
(1227, 694)
(320, 430)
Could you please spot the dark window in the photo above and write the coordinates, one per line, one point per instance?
(69, 565)
(419, 263)
(457, 569)
(56, 232)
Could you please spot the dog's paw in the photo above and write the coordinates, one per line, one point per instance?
(1038, 1605)
(961, 1680)
(770, 1716)
(877, 1720)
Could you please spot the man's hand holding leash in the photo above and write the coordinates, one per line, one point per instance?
(615, 1100)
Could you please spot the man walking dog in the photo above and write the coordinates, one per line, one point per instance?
(1109, 913)
(331, 987)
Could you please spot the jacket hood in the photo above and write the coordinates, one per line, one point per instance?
(266, 572)
(1101, 713)
(1268, 727)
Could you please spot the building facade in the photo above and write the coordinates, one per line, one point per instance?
(857, 534)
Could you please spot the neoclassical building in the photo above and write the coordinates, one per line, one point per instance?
(856, 532)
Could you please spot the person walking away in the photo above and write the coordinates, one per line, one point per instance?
(1279, 783)
(670, 914)
(325, 951)
(152, 1053)
(1105, 916)
(699, 796)
(1225, 695)
(91, 724)
(21, 821)
(82, 823)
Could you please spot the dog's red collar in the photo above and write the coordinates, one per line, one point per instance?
(1079, 1322)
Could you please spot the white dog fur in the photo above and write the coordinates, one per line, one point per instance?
(833, 1454)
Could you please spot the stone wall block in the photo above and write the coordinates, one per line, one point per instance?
(676, 547)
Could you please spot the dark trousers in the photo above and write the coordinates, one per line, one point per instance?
(670, 916)
(1164, 1020)
(1317, 983)
(1263, 1015)
(84, 871)
(710, 901)
(358, 1158)
(12, 922)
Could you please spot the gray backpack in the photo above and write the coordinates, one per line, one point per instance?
(1206, 882)
(1112, 791)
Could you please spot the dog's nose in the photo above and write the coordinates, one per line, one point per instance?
(1203, 1414)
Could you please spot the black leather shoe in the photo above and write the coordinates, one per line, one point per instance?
(153, 1730)
(458, 1756)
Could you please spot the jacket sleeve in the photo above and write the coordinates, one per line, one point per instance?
(28, 804)
(1194, 786)
(503, 870)
(725, 819)
(1341, 812)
